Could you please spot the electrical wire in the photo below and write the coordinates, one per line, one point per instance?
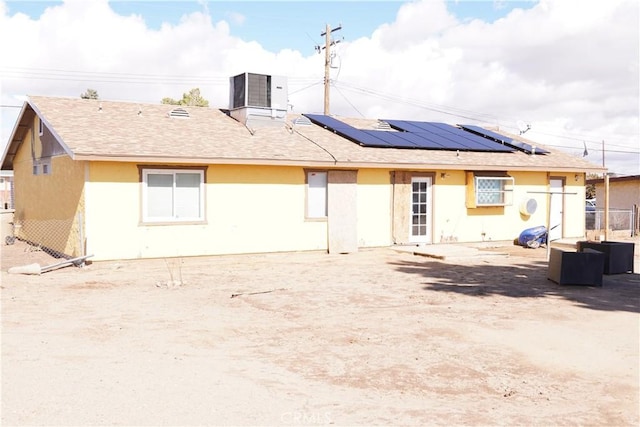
(349, 102)
(468, 115)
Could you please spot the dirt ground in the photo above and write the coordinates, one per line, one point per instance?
(379, 337)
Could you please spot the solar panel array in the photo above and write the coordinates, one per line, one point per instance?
(410, 134)
(490, 135)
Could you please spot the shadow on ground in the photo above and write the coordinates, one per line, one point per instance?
(619, 292)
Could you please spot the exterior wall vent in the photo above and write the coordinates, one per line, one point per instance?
(383, 125)
(302, 121)
(179, 113)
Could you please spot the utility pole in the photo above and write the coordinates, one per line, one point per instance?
(328, 42)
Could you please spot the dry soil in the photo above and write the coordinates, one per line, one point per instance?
(379, 337)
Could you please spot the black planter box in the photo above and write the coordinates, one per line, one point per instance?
(618, 256)
(576, 268)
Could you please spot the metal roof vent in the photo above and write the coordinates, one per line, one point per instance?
(178, 113)
(302, 121)
(383, 125)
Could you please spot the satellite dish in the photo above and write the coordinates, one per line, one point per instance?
(522, 126)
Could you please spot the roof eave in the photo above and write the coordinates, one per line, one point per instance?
(321, 163)
(10, 149)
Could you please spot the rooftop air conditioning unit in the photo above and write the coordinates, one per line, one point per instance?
(258, 91)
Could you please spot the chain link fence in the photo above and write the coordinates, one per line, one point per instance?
(619, 220)
(61, 238)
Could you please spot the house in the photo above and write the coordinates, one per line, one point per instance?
(624, 191)
(123, 180)
(624, 202)
(6, 189)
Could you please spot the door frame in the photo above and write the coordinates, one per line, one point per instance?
(428, 238)
(557, 234)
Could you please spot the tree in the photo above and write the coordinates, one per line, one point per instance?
(89, 94)
(591, 188)
(191, 99)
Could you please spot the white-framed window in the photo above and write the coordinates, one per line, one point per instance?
(173, 195)
(494, 190)
(316, 194)
(40, 127)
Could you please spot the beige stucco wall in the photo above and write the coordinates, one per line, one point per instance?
(249, 209)
(454, 222)
(374, 207)
(622, 194)
(48, 208)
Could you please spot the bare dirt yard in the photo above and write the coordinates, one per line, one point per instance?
(379, 337)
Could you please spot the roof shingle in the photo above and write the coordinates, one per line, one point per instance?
(127, 131)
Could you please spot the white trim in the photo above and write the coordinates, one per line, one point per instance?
(317, 198)
(172, 218)
(427, 237)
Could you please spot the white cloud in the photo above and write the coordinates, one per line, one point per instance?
(569, 68)
(236, 18)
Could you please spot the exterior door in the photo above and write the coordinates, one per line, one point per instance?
(556, 201)
(420, 225)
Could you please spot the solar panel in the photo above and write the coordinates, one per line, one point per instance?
(420, 140)
(446, 136)
(411, 134)
(347, 131)
(522, 146)
(327, 121)
(391, 138)
(472, 139)
(453, 141)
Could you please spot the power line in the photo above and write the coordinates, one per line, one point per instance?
(306, 87)
(457, 112)
(349, 102)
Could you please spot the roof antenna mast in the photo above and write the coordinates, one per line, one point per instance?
(327, 61)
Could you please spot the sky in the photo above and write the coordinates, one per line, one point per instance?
(568, 70)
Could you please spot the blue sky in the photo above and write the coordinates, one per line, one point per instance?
(278, 25)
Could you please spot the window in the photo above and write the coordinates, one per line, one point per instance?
(171, 195)
(493, 190)
(40, 127)
(316, 194)
(42, 166)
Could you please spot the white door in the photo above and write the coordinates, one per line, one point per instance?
(555, 209)
(420, 225)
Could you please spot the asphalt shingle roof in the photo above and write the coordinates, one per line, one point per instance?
(138, 132)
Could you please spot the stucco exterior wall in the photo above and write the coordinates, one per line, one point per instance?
(454, 222)
(248, 209)
(374, 207)
(49, 207)
(622, 194)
